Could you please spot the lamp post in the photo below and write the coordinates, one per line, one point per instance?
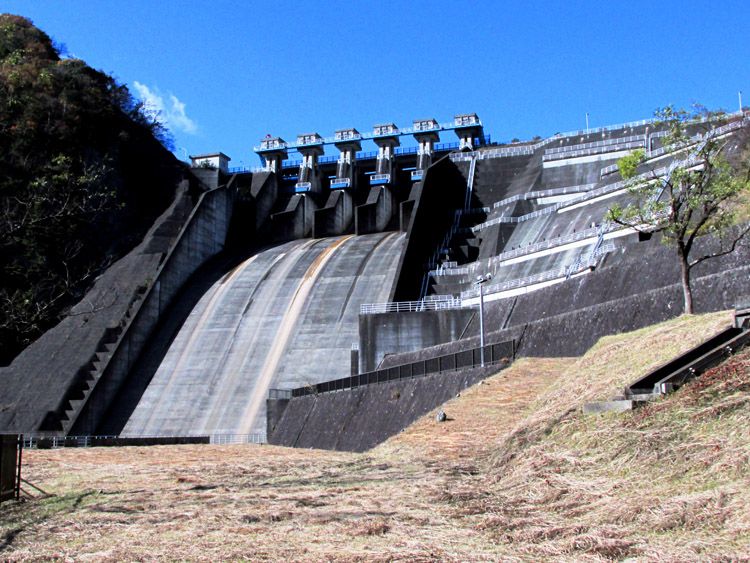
(481, 280)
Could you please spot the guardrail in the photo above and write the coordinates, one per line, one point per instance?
(377, 179)
(595, 144)
(337, 183)
(493, 153)
(661, 151)
(373, 135)
(545, 193)
(432, 304)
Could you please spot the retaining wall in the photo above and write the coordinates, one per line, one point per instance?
(361, 418)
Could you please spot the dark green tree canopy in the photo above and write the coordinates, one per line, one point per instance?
(82, 176)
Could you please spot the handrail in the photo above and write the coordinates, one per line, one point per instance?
(545, 193)
(592, 151)
(609, 188)
(595, 144)
(431, 304)
(400, 132)
(563, 272)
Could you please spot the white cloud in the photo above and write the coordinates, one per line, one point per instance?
(170, 111)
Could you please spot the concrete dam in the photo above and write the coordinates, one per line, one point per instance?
(285, 317)
(327, 301)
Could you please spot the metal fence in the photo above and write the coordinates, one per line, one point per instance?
(42, 441)
(434, 303)
(495, 354)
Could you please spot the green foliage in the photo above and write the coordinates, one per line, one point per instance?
(71, 197)
(628, 165)
(701, 194)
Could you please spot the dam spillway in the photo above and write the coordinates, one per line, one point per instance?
(285, 317)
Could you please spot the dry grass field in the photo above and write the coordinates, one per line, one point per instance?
(516, 473)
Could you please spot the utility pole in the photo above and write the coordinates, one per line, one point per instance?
(481, 280)
(739, 95)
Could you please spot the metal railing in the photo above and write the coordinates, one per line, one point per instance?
(594, 144)
(500, 353)
(400, 132)
(545, 193)
(341, 183)
(494, 153)
(661, 151)
(90, 441)
(258, 438)
(557, 273)
(380, 179)
(592, 151)
(434, 303)
(590, 195)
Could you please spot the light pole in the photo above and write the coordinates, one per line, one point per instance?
(587, 123)
(481, 280)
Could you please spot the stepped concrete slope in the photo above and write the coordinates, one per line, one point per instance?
(285, 317)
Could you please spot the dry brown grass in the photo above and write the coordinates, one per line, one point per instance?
(516, 473)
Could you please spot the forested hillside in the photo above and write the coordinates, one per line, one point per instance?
(83, 173)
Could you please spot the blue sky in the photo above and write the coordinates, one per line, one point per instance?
(228, 72)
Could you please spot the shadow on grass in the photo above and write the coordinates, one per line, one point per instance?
(37, 512)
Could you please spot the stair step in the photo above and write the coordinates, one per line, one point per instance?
(600, 407)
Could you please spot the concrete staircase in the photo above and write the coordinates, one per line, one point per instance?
(675, 373)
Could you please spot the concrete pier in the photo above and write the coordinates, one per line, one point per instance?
(310, 145)
(468, 127)
(425, 132)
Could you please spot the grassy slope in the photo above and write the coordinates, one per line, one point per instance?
(516, 472)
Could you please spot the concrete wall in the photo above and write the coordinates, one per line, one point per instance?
(392, 333)
(361, 418)
(436, 198)
(335, 217)
(567, 319)
(203, 236)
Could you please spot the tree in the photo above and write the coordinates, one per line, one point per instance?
(702, 192)
(81, 179)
